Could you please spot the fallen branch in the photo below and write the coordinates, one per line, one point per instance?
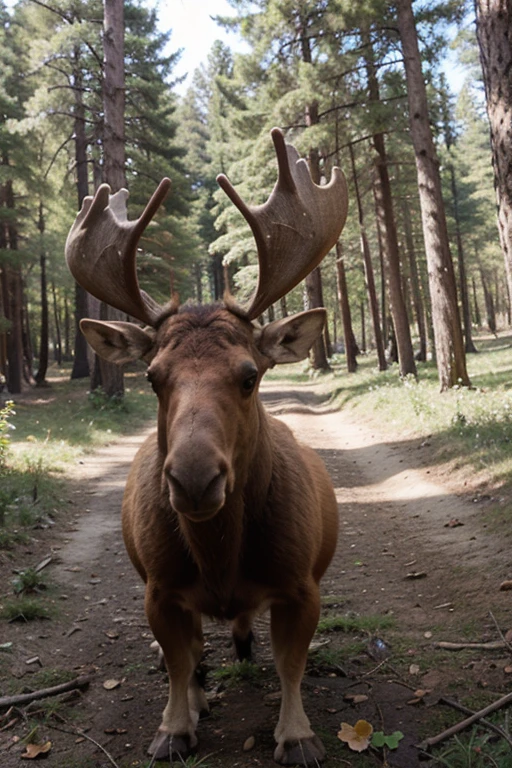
(25, 698)
(500, 633)
(495, 645)
(487, 723)
(433, 740)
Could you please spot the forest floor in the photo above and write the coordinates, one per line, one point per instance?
(419, 560)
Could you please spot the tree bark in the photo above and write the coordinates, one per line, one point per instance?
(58, 336)
(368, 271)
(112, 379)
(387, 228)
(43, 341)
(416, 287)
(348, 333)
(451, 359)
(463, 281)
(494, 35)
(80, 368)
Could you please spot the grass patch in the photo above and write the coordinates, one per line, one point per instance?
(474, 749)
(470, 427)
(238, 672)
(24, 609)
(355, 624)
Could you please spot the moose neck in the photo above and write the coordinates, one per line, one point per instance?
(216, 545)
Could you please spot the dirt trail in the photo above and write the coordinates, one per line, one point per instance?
(397, 556)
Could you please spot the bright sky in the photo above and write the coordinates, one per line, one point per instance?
(194, 30)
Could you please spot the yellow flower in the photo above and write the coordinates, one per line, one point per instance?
(358, 736)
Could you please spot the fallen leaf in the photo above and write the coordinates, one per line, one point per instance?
(109, 685)
(506, 585)
(355, 698)
(34, 750)
(416, 575)
(414, 669)
(249, 744)
(453, 523)
(358, 736)
(428, 635)
(508, 636)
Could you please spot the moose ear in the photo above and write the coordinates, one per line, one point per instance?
(119, 342)
(289, 340)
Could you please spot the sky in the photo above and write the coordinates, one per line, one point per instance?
(194, 30)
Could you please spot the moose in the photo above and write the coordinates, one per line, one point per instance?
(224, 513)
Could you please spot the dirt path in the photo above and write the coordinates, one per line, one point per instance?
(400, 556)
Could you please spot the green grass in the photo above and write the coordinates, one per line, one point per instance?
(470, 427)
(65, 419)
(240, 671)
(474, 749)
(355, 624)
(54, 427)
(24, 609)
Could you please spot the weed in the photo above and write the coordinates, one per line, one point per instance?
(28, 581)
(100, 400)
(474, 750)
(6, 425)
(24, 609)
(355, 624)
(238, 672)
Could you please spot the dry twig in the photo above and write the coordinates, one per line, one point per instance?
(433, 740)
(495, 645)
(25, 698)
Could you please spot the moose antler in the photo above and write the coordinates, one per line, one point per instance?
(101, 250)
(295, 228)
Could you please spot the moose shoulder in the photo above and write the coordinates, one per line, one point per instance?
(224, 513)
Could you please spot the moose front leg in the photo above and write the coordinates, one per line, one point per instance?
(180, 637)
(292, 627)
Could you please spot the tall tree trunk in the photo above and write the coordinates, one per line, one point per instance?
(363, 327)
(112, 379)
(368, 271)
(348, 333)
(56, 319)
(494, 35)
(43, 341)
(14, 297)
(478, 317)
(489, 303)
(80, 369)
(463, 281)
(314, 279)
(67, 329)
(417, 298)
(387, 229)
(451, 359)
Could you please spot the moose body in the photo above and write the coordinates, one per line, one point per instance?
(267, 545)
(224, 512)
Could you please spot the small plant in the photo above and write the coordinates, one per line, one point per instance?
(236, 673)
(354, 624)
(101, 401)
(28, 582)
(474, 750)
(24, 609)
(6, 425)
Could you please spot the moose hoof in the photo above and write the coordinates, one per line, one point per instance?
(302, 752)
(166, 746)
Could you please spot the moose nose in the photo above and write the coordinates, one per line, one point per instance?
(197, 495)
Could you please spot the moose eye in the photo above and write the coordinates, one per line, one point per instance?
(149, 378)
(249, 380)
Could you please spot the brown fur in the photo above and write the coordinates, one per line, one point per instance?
(267, 545)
